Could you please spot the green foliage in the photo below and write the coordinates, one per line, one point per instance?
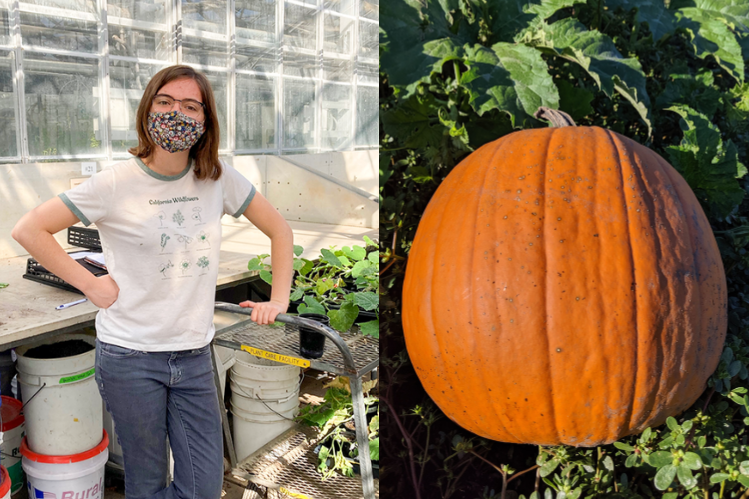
(456, 74)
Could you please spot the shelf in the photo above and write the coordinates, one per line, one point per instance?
(290, 461)
(284, 342)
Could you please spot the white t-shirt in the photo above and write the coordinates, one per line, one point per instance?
(160, 236)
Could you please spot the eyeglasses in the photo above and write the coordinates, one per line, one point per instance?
(190, 107)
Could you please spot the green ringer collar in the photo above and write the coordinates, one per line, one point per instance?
(159, 176)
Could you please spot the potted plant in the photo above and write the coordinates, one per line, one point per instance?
(337, 448)
(342, 284)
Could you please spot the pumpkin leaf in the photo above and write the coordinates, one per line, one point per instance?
(266, 276)
(596, 54)
(311, 306)
(360, 268)
(711, 37)
(694, 91)
(296, 295)
(255, 264)
(374, 449)
(343, 318)
(709, 165)
(356, 254)
(367, 300)
(298, 250)
(414, 121)
(370, 328)
(329, 257)
(660, 20)
(665, 477)
(575, 101)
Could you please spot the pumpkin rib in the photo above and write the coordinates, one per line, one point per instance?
(474, 303)
(545, 308)
(630, 406)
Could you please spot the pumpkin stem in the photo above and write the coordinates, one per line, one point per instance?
(557, 118)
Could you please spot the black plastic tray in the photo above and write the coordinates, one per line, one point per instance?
(35, 272)
(83, 237)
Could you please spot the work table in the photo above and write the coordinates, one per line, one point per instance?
(27, 308)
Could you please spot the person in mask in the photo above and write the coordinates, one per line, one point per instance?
(159, 220)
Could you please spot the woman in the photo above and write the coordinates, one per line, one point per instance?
(158, 216)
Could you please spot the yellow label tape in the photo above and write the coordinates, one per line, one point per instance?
(284, 359)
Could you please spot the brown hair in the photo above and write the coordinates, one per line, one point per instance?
(205, 151)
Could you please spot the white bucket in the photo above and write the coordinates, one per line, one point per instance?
(4, 483)
(66, 416)
(253, 431)
(67, 477)
(264, 401)
(13, 431)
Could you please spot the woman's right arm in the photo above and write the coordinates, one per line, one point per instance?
(34, 232)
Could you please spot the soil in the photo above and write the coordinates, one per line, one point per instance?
(68, 348)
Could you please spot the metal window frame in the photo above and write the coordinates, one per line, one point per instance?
(175, 31)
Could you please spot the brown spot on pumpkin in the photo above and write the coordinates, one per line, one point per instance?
(559, 350)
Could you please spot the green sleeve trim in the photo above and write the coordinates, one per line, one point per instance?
(74, 209)
(246, 203)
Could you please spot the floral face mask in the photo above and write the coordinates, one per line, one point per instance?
(174, 131)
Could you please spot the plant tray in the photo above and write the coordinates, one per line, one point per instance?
(35, 272)
(84, 237)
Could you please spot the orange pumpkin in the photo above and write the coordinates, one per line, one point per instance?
(564, 287)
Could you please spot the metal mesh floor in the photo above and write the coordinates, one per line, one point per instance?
(290, 461)
(285, 341)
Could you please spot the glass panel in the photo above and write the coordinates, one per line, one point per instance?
(219, 83)
(299, 113)
(299, 65)
(255, 19)
(138, 43)
(336, 117)
(8, 146)
(339, 34)
(369, 39)
(5, 21)
(367, 125)
(337, 69)
(370, 9)
(261, 59)
(342, 6)
(79, 5)
(152, 11)
(368, 73)
(62, 105)
(205, 15)
(299, 27)
(127, 82)
(205, 52)
(256, 112)
(59, 33)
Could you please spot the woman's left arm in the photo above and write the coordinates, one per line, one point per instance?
(266, 218)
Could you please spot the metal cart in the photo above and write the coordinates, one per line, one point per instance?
(353, 357)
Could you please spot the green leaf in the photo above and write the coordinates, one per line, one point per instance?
(359, 267)
(719, 477)
(743, 480)
(329, 257)
(345, 262)
(367, 300)
(672, 424)
(671, 495)
(660, 458)
(374, 257)
(343, 318)
(631, 461)
(296, 295)
(709, 165)
(416, 39)
(685, 476)
(744, 467)
(370, 328)
(374, 449)
(255, 264)
(575, 101)
(324, 285)
(608, 463)
(623, 446)
(414, 122)
(692, 461)
(646, 435)
(549, 467)
(356, 253)
(547, 8)
(696, 92)
(711, 37)
(687, 425)
(311, 306)
(659, 18)
(266, 276)
(665, 476)
(298, 264)
(307, 268)
(4, 285)
(298, 250)
(597, 54)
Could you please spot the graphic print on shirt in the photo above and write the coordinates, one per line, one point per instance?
(196, 215)
(164, 240)
(162, 218)
(164, 269)
(203, 263)
(185, 266)
(203, 242)
(184, 239)
(178, 218)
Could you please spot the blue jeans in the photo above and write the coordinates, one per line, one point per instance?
(154, 394)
